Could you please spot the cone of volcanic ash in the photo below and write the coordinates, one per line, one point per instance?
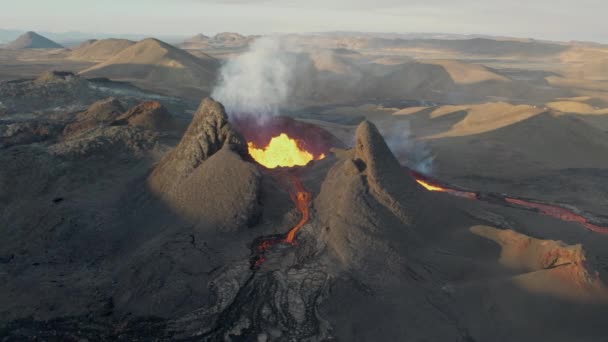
(100, 113)
(150, 115)
(205, 179)
(367, 199)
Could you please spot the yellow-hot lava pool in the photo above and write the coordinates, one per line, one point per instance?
(281, 151)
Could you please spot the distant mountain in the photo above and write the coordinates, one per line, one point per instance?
(159, 66)
(229, 37)
(32, 40)
(409, 35)
(505, 47)
(220, 40)
(199, 38)
(477, 46)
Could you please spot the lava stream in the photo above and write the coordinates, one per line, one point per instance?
(545, 209)
(434, 186)
(301, 198)
(560, 213)
(283, 151)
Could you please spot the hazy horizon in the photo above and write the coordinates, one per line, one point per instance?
(543, 19)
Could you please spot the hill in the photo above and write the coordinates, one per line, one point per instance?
(468, 73)
(32, 40)
(100, 50)
(158, 66)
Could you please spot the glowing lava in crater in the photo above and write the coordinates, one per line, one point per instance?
(281, 151)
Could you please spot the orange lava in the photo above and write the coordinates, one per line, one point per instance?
(560, 213)
(301, 198)
(430, 187)
(281, 151)
(545, 209)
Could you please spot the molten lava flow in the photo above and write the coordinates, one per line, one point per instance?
(560, 213)
(545, 209)
(281, 151)
(430, 187)
(301, 198)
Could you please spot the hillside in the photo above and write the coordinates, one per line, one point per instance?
(468, 73)
(156, 65)
(100, 50)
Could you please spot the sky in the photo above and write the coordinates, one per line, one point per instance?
(541, 19)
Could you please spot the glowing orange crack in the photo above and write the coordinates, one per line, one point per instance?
(430, 187)
(545, 209)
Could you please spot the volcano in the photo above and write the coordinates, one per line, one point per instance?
(277, 230)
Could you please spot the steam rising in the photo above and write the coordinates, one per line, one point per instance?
(258, 81)
(410, 152)
(276, 73)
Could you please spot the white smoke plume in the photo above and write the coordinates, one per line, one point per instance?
(410, 152)
(258, 81)
(276, 73)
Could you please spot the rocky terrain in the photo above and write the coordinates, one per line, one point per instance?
(157, 243)
(446, 199)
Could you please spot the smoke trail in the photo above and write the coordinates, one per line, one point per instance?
(410, 152)
(258, 81)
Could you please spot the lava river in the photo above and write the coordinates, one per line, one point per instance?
(283, 152)
(558, 212)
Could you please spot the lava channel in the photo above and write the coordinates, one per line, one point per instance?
(301, 198)
(283, 151)
(545, 209)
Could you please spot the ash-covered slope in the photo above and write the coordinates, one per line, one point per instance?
(205, 178)
(79, 205)
(32, 40)
(369, 190)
